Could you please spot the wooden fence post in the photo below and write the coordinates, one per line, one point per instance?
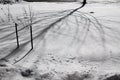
(16, 31)
(31, 36)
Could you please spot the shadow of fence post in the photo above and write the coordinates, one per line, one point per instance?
(16, 31)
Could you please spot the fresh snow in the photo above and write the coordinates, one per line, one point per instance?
(56, 53)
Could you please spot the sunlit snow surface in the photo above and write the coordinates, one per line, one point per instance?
(66, 50)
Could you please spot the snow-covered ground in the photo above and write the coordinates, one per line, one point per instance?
(84, 46)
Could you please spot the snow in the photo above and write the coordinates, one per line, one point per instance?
(59, 54)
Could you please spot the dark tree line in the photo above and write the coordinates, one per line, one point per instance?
(51, 0)
(9, 1)
(14, 1)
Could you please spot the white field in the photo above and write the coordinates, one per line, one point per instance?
(58, 52)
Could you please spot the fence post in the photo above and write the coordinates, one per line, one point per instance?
(16, 31)
(31, 36)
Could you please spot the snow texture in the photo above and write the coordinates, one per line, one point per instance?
(83, 46)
